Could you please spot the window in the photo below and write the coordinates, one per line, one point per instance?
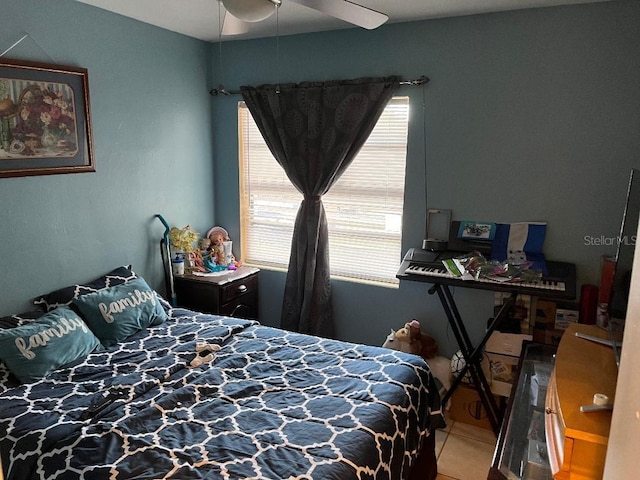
(363, 208)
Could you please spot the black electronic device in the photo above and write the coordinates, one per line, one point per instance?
(617, 308)
(422, 257)
(96, 407)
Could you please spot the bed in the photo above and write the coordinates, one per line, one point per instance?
(109, 382)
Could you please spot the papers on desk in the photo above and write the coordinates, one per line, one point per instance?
(474, 266)
(212, 274)
(455, 267)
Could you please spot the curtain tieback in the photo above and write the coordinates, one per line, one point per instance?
(312, 198)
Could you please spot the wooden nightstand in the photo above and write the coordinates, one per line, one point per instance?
(233, 294)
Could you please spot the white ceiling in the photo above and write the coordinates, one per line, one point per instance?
(199, 18)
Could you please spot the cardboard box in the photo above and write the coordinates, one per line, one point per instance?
(506, 343)
(545, 319)
(519, 318)
(545, 314)
(466, 407)
(503, 373)
(537, 466)
(565, 317)
(553, 337)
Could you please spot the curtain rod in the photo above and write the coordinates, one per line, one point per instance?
(223, 91)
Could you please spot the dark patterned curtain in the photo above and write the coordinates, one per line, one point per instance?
(314, 131)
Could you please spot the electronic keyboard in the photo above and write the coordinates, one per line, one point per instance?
(424, 266)
(416, 269)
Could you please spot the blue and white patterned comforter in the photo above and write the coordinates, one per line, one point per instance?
(271, 405)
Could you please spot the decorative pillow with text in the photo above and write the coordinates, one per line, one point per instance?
(35, 349)
(118, 312)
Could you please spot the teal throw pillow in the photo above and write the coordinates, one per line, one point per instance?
(34, 350)
(118, 312)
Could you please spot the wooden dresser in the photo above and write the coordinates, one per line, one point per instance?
(577, 442)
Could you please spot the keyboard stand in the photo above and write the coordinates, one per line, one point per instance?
(473, 354)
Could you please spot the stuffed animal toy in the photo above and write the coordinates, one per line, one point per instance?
(402, 342)
(410, 339)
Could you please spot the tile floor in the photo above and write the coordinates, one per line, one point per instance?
(464, 451)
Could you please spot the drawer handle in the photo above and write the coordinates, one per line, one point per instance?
(242, 288)
(550, 411)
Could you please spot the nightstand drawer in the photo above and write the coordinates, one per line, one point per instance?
(238, 288)
(245, 306)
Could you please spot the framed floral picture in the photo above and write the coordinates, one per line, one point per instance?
(45, 122)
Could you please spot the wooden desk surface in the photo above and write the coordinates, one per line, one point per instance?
(582, 369)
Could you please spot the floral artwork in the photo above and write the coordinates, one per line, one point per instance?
(38, 119)
(44, 119)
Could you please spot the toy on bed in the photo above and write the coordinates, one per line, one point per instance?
(410, 339)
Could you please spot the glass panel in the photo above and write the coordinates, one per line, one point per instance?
(524, 454)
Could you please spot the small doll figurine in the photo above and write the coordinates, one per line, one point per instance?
(196, 261)
(204, 244)
(217, 237)
(220, 248)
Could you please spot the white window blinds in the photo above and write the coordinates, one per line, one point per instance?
(363, 208)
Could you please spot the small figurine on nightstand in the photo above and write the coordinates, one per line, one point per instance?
(217, 237)
(196, 261)
(200, 255)
(220, 248)
(204, 244)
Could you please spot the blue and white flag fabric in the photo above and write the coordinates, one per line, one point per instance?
(520, 242)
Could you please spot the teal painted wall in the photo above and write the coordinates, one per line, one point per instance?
(153, 151)
(531, 115)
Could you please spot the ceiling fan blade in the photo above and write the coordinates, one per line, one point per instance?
(233, 25)
(348, 11)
